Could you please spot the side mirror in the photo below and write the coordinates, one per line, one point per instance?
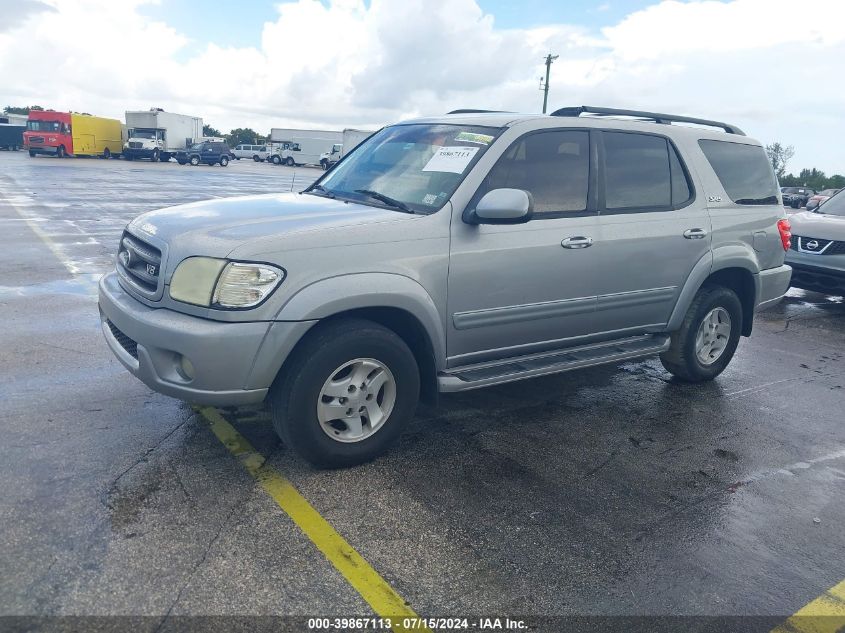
(503, 206)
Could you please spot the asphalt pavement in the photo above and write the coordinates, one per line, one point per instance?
(606, 492)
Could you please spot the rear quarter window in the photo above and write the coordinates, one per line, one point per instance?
(743, 170)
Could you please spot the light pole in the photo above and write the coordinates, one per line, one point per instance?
(545, 86)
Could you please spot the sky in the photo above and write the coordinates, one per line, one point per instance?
(367, 63)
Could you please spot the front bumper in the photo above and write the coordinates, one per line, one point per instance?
(819, 273)
(136, 152)
(773, 284)
(151, 341)
(42, 149)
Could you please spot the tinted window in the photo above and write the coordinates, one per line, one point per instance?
(637, 171)
(681, 190)
(552, 166)
(835, 205)
(743, 170)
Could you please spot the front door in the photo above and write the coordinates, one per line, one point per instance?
(517, 289)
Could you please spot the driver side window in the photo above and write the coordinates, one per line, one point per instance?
(552, 166)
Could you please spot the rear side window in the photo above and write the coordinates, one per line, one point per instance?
(743, 170)
(643, 172)
(553, 166)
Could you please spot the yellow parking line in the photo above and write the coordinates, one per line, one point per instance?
(825, 614)
(383, 599)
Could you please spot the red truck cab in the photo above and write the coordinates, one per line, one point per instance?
(48, 132)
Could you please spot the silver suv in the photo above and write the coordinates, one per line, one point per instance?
(451, 253)
(817, 254)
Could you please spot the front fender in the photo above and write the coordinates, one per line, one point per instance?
(332, 296)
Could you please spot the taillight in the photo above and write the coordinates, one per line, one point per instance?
(785, 231)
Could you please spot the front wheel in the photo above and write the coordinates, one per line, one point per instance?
(107, 153)
(705, 344)
(290, 162)
(277, 160)
(31, 154)
(155, 156)
(61, 153)
(195, 160)
(346, 393)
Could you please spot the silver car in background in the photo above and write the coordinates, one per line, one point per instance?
(817, 253)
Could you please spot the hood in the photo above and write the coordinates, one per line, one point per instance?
(829, 227)
(216, 227)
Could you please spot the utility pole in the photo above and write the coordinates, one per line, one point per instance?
(545, 86)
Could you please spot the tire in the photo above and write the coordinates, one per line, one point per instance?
(194, 160)
(298, 390)
(256, 158)
(290, 162)
(181, 162)
(107, 153)
(61, 153)
(31, 154)
(224, 161)
(324, 164)
(277, 160)
(154, 158)
(682, 358)
(796, 204)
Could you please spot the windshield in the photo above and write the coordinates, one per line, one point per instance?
(828, 192)
(412, 167)
(143, 134)
(834, 205)
(196, 146)
(44, 126)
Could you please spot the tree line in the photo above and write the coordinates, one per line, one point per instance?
(816, 179)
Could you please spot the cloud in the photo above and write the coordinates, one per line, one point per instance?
(18, 11)
(351, 63)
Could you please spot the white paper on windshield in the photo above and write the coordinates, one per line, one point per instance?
(451, 159)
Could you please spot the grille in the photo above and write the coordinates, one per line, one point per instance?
(140, 262)
(36, 139)
(126, 343)
(135, 144)
(828, 246)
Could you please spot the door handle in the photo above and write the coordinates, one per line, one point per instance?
(695, 234)
(577, 242)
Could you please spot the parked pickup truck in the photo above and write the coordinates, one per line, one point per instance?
(452, 253)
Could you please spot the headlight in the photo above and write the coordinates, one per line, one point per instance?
(216, 283)
(243, 285)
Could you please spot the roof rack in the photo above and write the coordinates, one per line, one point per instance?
(648, 116)
(471, 111)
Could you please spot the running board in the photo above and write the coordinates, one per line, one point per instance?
(531, 366)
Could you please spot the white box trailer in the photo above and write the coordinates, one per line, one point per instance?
(351, 139)
(301, 147)
(158, 135)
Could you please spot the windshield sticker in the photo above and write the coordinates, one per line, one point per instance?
(471, 137)
(429, 198)
(450, 159)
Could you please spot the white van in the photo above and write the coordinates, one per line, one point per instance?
(257, 153)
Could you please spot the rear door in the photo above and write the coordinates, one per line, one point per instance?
(652, 229)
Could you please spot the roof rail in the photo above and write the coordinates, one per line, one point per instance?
(471, 111)
(648, 116)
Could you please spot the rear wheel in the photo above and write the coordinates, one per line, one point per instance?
(705, 344)
(277, 160)
(290, 162)
(346, 393)
(195, 160)
(107, 153)
(224, 160)
(256, 158)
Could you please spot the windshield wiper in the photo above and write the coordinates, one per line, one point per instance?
(325, 191)
(396, 204)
